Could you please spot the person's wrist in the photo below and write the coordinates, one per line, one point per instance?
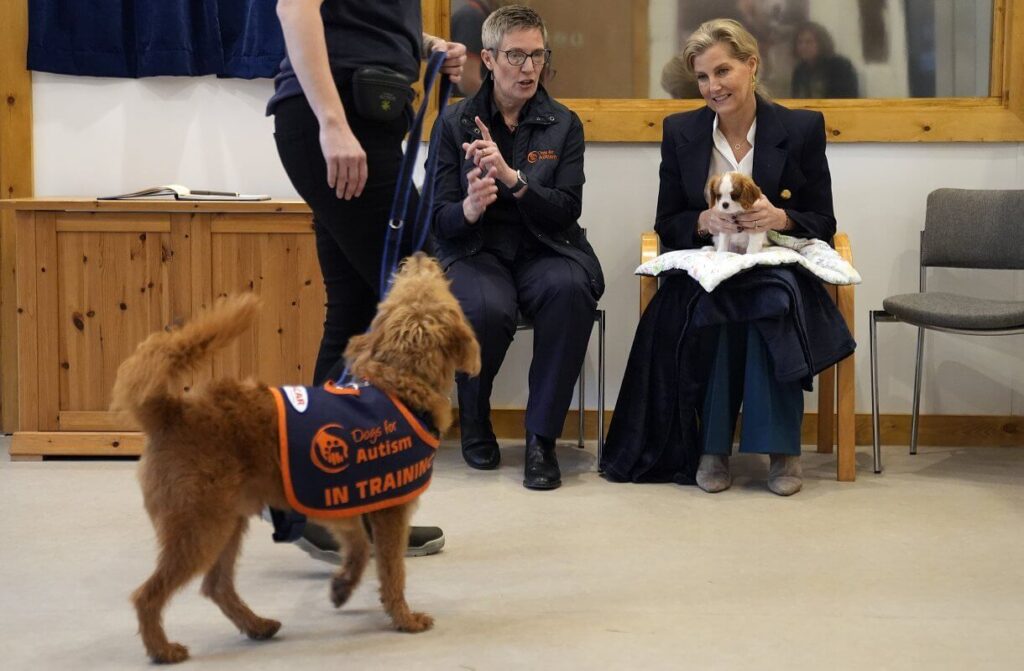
(510, 178)
(333, 122)
(430, 43)
(469, 213)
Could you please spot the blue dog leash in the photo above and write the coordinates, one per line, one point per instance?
(399, 216)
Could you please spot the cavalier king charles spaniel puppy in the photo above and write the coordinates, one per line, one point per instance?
(733, 193)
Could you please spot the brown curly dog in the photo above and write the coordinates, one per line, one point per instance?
(211, 458)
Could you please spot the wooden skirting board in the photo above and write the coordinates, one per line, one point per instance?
(936, 430)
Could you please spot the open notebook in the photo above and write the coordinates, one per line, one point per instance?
(179, 192)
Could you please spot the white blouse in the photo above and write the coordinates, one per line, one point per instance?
(722, 157)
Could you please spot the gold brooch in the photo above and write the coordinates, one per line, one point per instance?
(786, 194)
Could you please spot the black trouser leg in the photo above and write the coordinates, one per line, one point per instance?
(554, 293)
(349, 233)
(484, 287)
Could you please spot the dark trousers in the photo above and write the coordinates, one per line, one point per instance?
(349, 233)
(551, 291)
(742, 373)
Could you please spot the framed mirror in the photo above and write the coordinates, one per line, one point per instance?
(880, 70)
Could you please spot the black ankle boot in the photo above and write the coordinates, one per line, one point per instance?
(541, 470)
(479, 447)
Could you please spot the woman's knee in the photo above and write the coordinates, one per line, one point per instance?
(569, 290)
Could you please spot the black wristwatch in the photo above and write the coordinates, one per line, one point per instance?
(520, 183)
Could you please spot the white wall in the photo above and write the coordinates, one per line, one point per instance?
(102, 136)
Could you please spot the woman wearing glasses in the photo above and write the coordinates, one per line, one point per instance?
(509, 193)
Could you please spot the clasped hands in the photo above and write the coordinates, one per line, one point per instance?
(761, 217)
(490, 169)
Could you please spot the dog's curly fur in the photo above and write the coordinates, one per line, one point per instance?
(211, 458)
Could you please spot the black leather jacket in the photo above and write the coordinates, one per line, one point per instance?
(549, 149)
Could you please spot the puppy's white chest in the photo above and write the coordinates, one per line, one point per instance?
(742, 242)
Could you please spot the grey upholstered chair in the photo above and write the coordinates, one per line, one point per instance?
(963, 228)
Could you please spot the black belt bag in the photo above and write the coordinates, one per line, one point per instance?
(380, 94)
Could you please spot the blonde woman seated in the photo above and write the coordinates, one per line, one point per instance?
(761, 336)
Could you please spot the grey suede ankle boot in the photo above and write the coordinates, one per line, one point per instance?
(785, 476)
(713, 473)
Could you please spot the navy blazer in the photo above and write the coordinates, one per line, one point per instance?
(789, 166)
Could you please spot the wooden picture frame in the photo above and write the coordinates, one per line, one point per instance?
(996, 118)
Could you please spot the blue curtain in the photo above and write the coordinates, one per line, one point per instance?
(148, 38)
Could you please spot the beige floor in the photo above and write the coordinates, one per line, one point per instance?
(919, 568)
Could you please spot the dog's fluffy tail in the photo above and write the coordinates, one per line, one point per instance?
(152, 374)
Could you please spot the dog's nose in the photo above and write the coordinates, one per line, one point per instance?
(725, 206)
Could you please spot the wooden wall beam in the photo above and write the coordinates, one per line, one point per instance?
(15, 182)
(15, 102)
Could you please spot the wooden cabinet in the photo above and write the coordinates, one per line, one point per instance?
(92, 278)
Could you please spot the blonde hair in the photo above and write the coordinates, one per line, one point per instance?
(742, 45)
(507, 19)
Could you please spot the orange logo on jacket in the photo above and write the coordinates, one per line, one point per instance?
(329, 451)
(543, 155)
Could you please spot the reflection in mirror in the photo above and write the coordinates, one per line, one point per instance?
(835, 49)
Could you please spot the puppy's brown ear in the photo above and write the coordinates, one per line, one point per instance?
(711, 191)
(749, 193)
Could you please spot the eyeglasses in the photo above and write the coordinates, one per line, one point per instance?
(516, 58)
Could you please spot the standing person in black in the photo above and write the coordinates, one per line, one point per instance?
(509, 194)
(343, 159)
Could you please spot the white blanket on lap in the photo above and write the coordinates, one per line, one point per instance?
(711, 268)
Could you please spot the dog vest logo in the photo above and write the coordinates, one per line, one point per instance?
(542, 155)
(329, 451)
(298, 397)
(350, 450)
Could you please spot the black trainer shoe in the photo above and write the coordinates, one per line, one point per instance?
(424, 541)
(320, 544)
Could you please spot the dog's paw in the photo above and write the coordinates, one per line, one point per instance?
(263, 629)
(172, 653)
(414, 623)
(341, 590)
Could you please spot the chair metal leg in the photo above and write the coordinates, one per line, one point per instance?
(582, 404)
(600, 385)
(917, 392)
(875, 431)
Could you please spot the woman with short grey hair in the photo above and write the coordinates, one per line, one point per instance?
(509, 194)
